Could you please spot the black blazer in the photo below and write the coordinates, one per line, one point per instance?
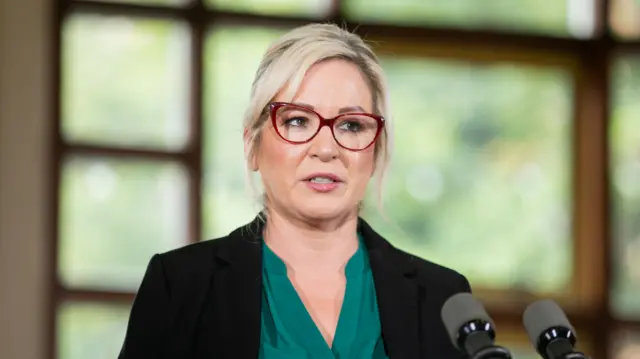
(203, 300)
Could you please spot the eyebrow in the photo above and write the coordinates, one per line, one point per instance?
(342, 110)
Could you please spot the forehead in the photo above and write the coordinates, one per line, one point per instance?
(332, 85)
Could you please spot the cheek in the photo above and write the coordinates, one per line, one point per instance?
(278, 161)
(362, 165)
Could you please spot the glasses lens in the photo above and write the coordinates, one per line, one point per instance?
(296, 124)
(355, 131)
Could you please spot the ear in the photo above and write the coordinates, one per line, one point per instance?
(251, 161)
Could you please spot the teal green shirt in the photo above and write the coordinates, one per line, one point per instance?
(289, 332)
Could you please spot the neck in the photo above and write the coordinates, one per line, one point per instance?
(320, 247)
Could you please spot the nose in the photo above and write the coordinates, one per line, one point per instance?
(324, 146)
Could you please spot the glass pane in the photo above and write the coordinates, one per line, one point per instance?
(115, 214)
(626, 345)
(625, 162)
(91, 330)
(233, 55)
(553, 17)
(150, 2)
(125, 82)
(625, 18)
(312, 8)
(482, 162)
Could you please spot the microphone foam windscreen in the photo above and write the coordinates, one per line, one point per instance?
(542, 315)
(458, 310)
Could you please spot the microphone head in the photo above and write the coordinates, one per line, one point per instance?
(459, 310)
(542, 315)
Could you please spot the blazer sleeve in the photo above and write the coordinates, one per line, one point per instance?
(466, 286)
(147, 328)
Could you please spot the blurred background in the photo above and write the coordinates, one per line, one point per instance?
(517, 155)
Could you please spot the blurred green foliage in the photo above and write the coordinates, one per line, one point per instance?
(150, 2)
(90, 330)
(124, 82)
(544, 17)
(310, 8)
(625, 177)
(114, 215)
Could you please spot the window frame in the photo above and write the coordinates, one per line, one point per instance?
(588, 60)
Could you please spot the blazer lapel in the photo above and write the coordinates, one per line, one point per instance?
(397, 296)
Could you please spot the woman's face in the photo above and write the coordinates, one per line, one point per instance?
(331, 87)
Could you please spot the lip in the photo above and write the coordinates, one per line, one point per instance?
(323, 187)
(331, 176)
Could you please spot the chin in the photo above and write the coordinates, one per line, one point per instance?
(319, 210)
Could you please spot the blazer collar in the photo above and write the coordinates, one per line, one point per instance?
(245, 246)
(392, 270)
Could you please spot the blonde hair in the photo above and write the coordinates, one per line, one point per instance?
(283, 68)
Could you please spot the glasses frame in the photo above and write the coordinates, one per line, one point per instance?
(275, 106)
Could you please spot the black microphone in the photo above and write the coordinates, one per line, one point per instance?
(549, 331)
(470, 328)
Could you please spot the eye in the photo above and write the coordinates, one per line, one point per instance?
(297, 121)
(350, 125)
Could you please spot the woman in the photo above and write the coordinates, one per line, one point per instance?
(308, 278)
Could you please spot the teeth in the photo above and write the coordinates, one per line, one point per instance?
(322, 180)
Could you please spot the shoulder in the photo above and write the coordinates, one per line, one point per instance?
(206, 257)
(424, 272)
(192, 261)
(193, 254)
(434, 275)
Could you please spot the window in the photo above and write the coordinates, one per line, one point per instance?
(558, 18)
(500, 171)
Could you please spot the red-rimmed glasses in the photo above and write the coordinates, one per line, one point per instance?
(296, 124)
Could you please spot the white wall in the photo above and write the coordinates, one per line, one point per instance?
(24, 143)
